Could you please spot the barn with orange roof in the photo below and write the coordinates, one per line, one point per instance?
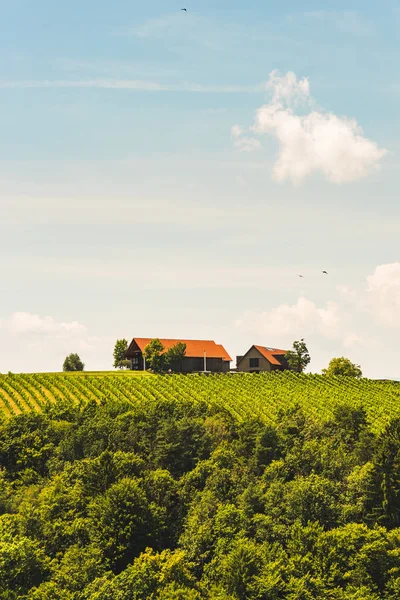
(201, 355)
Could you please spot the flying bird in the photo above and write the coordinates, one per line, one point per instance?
(300, 275)
(185, 9)
(326, 272)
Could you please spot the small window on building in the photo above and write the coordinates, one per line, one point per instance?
(254, 363)
(135, 360)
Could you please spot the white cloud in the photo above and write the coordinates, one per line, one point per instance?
(288, 89)
(247, 144)
(363, 321)
(41, 343)
(287, 322)
(383, 297)
(236, 131)
(315, 141)
(243, 142)
(28, 323)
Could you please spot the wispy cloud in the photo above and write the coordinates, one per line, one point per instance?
(183, 27)
(216, 33)
(28, 323)
(131, 84)
(151, 276)
(242, 142)
(115, 69)
(157, 26)
(347, 21)
(316, 141)
(128, 84)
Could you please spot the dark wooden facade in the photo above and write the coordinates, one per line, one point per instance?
(216, 359)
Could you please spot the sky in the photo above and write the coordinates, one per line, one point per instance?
(171, 174)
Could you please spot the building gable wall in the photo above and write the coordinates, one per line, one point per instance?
(263, 363)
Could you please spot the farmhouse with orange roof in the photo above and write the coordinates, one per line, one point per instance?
(262, 358)
(201, 355)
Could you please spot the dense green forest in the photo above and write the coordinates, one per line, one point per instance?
(181, 500)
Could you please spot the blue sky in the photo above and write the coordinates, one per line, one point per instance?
(152, 181)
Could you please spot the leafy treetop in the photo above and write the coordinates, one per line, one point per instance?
(73, 363)
(174, 356)
(343, 366)
(298, 358)
(120, 348)
(153, 355)
(158, 360)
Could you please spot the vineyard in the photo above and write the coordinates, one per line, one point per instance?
(242, 395)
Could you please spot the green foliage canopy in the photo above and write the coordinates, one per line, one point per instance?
(158, 360)
(153, 353)
(298, 358)
(174, 356)
(120, 348)
(342, 367)
(73, 363)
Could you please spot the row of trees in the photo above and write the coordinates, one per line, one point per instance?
(160, 360)
(299, 358)
(157, 359)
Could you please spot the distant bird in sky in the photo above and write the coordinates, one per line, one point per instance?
(185, 9)
(300, 275)
(326, 272)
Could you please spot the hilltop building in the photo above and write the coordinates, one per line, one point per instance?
(201, 355)
(262, 358)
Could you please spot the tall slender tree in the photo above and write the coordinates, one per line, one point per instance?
(153, 354)
(298, 358)
(174, 356)
(120, 348)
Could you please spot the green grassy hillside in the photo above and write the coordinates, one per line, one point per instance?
(241, 394)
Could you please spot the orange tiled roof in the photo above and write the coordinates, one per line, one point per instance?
(223, 352)
(269, 354)
(194, 348)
